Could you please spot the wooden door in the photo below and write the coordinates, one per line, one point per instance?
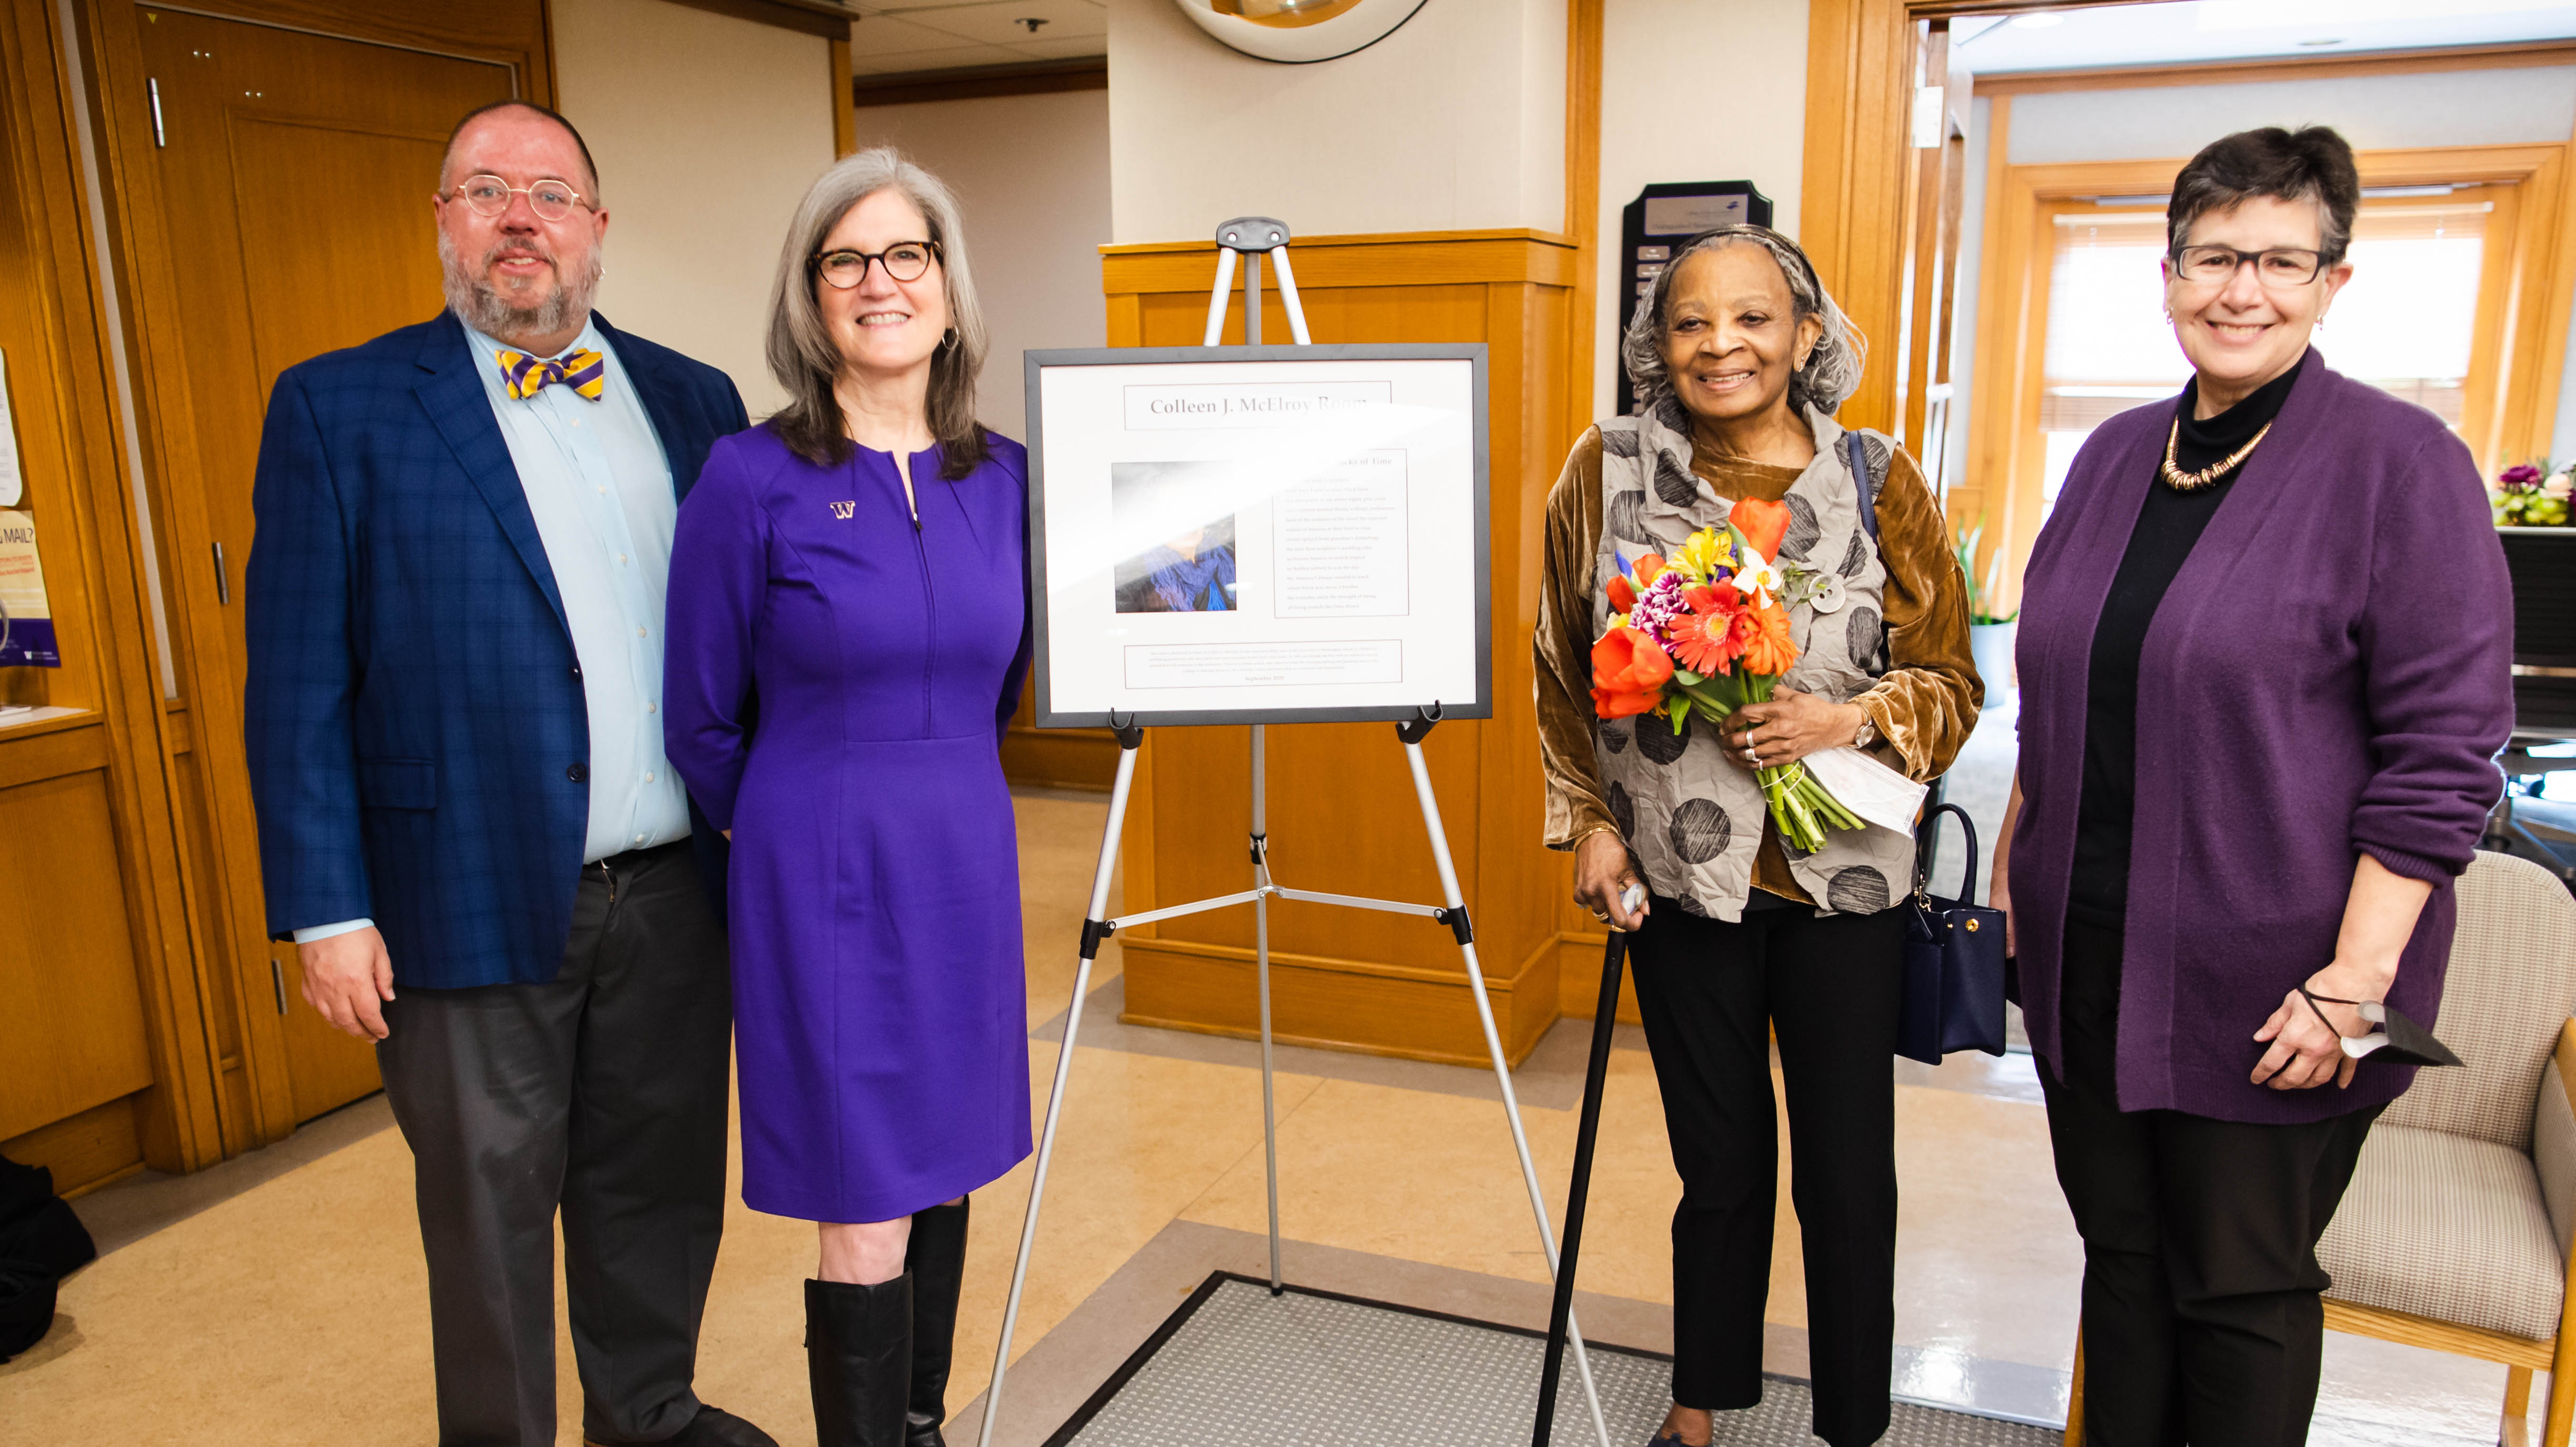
(295, 174)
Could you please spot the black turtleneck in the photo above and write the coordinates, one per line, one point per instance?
(2169, 526)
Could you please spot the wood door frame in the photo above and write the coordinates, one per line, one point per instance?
(231, 905)
(125, 731)
(1860, 60)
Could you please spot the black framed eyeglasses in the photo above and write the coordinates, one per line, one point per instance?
(904, 261)
(552, 200)
(2279, 266)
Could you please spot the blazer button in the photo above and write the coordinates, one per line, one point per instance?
(578, 773)
(576, 673)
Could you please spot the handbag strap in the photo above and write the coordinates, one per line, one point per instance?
(1858, 456)
(1924, 832)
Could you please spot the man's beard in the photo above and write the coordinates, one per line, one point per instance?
(486, 309)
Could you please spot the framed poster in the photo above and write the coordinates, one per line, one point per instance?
(1259, 534)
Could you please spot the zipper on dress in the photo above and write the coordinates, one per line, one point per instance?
(930, 608)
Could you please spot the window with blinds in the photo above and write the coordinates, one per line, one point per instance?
(2405, 323)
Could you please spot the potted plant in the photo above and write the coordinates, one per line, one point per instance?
(1990, 634)
(2528, 496)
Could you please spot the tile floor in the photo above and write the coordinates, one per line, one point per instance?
(279, 1299)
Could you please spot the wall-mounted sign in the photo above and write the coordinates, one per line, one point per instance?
(1299, 32)
(1664, 216)
(10, 486)
(26, 624)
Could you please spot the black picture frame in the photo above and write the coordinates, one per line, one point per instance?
(1041, 680)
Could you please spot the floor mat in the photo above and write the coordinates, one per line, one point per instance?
(1314, 1369)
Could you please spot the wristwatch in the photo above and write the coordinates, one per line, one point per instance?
(1866, 734)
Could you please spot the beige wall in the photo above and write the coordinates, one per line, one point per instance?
(707, 131)
(1032, 176)
(1694, 90)
(1456, 121)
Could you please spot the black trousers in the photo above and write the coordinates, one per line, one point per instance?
(602, 1093)
(2202, 1319)
(1829, 986)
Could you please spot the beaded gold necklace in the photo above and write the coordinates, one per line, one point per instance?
(2181, 481)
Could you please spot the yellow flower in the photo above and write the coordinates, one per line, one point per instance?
(1708, 550)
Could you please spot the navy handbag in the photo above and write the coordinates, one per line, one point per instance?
(1954, 961)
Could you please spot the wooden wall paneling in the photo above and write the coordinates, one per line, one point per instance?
(1379, 983)
(87, 793)
(845, 114)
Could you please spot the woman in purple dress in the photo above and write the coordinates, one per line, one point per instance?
(849, 623)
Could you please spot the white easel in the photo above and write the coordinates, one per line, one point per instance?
(1252, 237)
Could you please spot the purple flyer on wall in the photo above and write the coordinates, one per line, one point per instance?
(26, 624)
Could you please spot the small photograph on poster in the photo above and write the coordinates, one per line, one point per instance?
(1176, 519)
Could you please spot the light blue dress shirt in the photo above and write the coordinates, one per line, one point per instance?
(600, 490)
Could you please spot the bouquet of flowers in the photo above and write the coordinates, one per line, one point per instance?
(1707, 630)
(2525, 499)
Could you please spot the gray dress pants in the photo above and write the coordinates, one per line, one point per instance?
(602, 1093)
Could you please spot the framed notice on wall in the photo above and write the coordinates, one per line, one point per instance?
(1259, 534)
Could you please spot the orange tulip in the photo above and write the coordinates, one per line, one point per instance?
(1763, 524)
(1646, 567)
(1629, 670)
(1623, 594)
(1770, 650)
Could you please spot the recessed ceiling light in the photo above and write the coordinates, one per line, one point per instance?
(2038, 22)
(2313, 44)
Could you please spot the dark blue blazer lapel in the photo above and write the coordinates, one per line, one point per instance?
(654, 387)
(451, 391)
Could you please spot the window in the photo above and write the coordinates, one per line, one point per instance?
(2407, 322)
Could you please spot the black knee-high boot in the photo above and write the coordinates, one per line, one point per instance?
(936, 1260)
(858, 1355)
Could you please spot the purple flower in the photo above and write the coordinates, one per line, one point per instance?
(1658, 603)
(2521, 477)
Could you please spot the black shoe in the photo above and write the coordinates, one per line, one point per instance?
(712, 1427)
(858, 1356)
(936, 1260)
(716, 1427)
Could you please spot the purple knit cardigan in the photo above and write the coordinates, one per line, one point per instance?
(2328, 674)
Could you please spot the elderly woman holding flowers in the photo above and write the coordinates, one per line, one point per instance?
(2263, 656)
(1696, 552)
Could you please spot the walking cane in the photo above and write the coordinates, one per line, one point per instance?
(1596, 1072)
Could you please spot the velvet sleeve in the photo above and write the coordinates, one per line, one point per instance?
(1563, 649)
(1926, 705)
(719, 585)
(2436, 643)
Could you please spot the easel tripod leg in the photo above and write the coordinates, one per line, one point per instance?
(1457, 905)
(1261, 969)
(1092, 934)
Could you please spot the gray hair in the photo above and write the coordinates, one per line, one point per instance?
(1833, 369)
(802, 354)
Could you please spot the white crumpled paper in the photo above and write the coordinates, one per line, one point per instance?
(1868, 788)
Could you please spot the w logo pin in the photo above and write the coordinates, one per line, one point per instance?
(843, 510)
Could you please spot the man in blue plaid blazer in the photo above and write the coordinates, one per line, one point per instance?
(466, 821)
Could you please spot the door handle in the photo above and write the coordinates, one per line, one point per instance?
(223, 585)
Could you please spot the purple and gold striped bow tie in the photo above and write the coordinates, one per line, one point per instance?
(526, 376)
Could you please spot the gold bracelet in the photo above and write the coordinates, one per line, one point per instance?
(1577, 841)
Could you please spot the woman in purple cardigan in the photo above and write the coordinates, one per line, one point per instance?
(2263, 658)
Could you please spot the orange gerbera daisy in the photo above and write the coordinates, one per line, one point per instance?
(1770, 650)
(1704, 643)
